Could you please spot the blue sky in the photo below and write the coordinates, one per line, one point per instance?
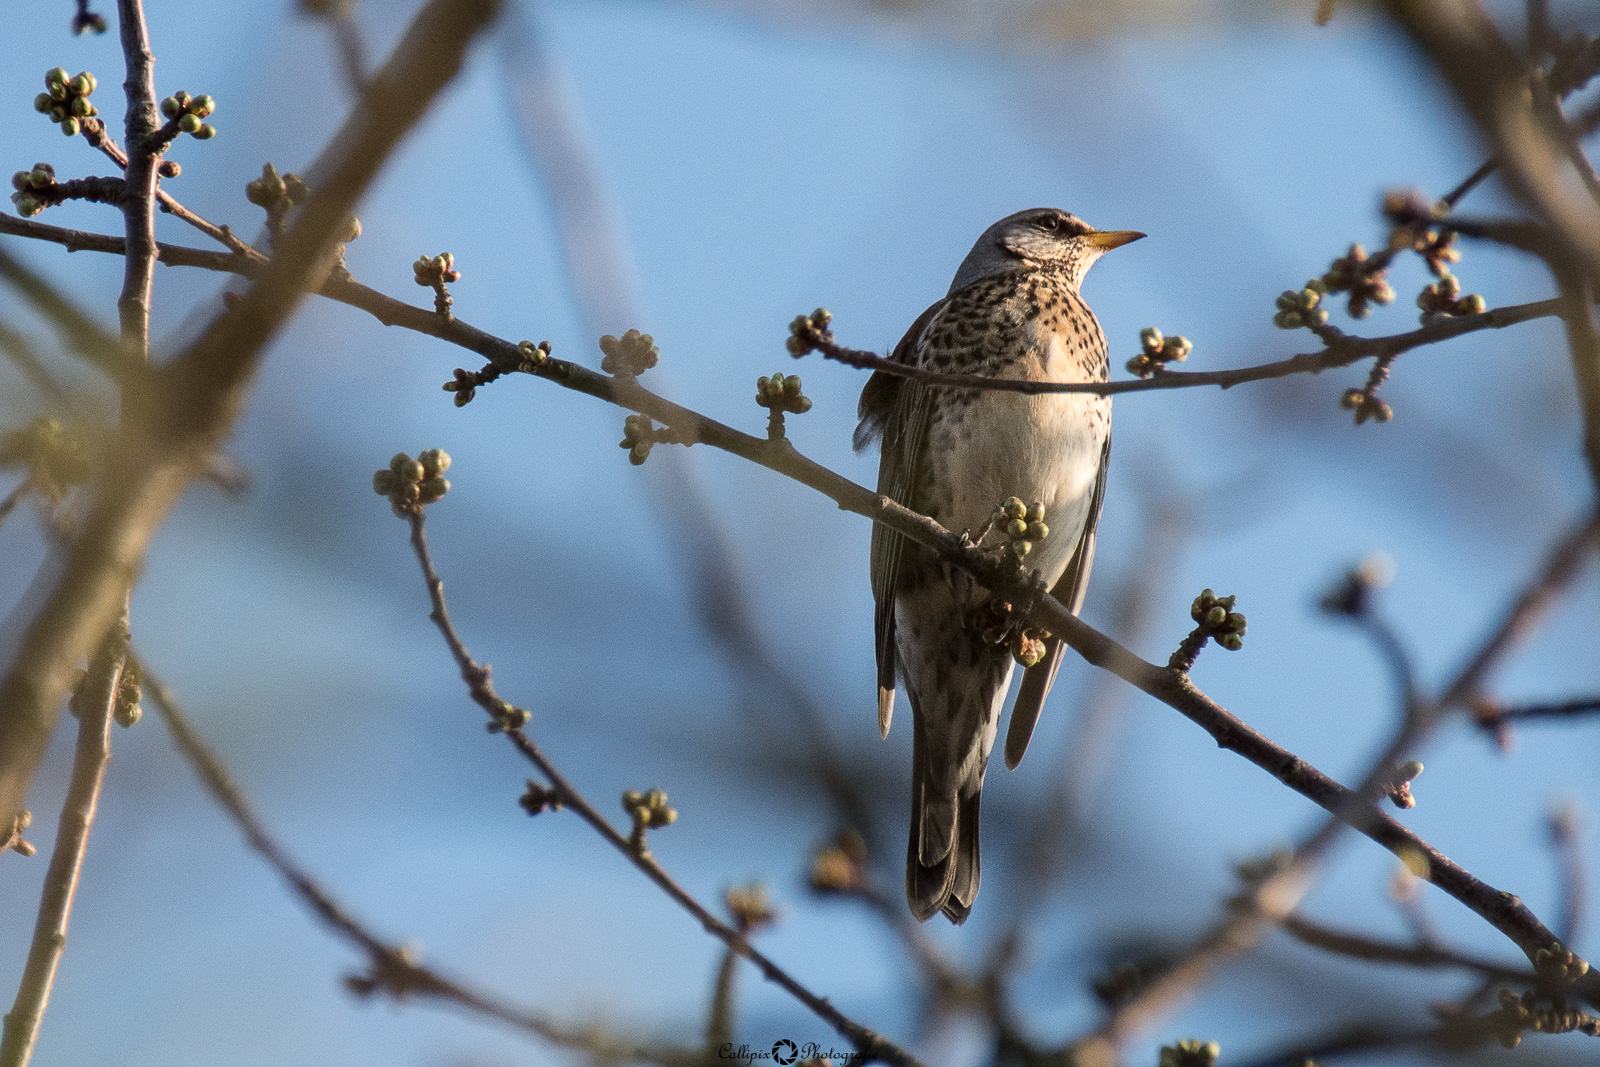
(760, 168)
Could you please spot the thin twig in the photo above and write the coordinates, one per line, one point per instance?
(503, 715)
(1566, 839)
(392, 969)
(1432, 957)
(95, 704)
(1580, 707)
(15, 497)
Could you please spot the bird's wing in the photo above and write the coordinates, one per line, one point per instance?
(896, 410)
(1037, 679)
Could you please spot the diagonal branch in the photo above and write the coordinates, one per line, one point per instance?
(507, 718)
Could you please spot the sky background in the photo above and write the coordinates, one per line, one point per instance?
(761, 161)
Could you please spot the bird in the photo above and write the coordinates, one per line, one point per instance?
(955, 454)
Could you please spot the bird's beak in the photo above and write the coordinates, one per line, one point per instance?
(1106, 240)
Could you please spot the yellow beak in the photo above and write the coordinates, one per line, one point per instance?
(1109, 239)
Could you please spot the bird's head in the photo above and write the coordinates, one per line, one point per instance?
(1039, 237)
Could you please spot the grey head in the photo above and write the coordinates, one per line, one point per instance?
(1039, 237)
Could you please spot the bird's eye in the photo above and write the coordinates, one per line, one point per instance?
(1050, 223)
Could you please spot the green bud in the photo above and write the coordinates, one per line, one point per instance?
(55, 76)
(1035, 512)
(1038, 531)
(795, 346)
(398, 462)
(81, 107)
(170, 108)
(1471, 305)
(27, 206)
(202, 106)
(43, 103)
(1289, 320)
(1231, 642)
(1318, 286)
(128, 715)
(81, 85)
(1151, 338)
(205, 132)
(1216, 616)
(791, 385)
(189, 123)
(802, 405)
(434, 488)
(1236, 622)
(19, 180)
(1307, 299)
(435, 461)
(383, 482)
(1021, 548)
(1016, 528)
(1014, 508)
(70, 127)
(58, 114)
(1288, 300)
(412, 472)
(1410, 769)
(1316, 316)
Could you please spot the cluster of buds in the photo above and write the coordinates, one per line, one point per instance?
(1558, 966)
(1022, 524)
(649, 811)
(464, 383)
(435, 272)
(1351, 595)
(12, 840)
(130, 690)
(539, 799)
(780, 394)
(1520, 1014)
(32, 188)
(533, 355)
(413, 484)
(1215, 617)
(1157, 352)
(1190, 1053)
(1302, 307)
(1443, 297)
(1399, 787)
(1365, 402)
(1438, 250)
(750, 907)
(272, 189)
(807, 333)
(184, 114)
(54, 457)
(840, 866)
(66, 99)
(638, 437)
(1364, 278)
(630, 355)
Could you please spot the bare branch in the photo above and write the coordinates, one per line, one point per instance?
(95, 704)
(391, 968)
(508, 718)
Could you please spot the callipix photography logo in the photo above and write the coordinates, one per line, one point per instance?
(784, 1052)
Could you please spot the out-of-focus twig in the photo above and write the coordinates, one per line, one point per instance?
(595, 249)
(1427, 956)
(95, 703)
(1566, 835)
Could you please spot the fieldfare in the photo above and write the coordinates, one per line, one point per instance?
(955, 454)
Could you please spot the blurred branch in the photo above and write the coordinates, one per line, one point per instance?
(392, 969)
(1565, 838)
(81, 333)
(1372, 950)
(95, 703)
(178, 418)
(1493, 715)
(599, 265)
(508, 719)
(16, 348)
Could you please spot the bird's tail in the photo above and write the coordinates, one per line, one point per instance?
(942, 868)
